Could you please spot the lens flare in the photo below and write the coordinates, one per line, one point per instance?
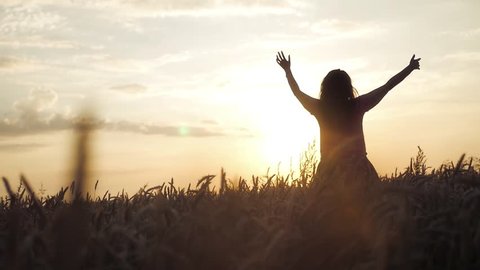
(183, 131)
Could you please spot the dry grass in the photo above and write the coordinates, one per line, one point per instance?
(412, 220)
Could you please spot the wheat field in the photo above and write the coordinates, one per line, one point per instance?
(415, 219)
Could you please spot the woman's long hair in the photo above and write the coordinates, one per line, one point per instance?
(337, 86)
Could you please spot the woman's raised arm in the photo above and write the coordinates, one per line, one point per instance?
(370, 100)
(308, 102)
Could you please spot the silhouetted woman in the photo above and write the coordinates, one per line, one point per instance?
(339, 113)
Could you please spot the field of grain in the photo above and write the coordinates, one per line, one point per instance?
(417, 219)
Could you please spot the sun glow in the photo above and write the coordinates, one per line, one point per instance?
(287, 134)
(285, 128)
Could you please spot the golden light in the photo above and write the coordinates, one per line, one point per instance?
(287, 132)
(285, 128)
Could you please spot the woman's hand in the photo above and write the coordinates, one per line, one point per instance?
(282, 61)
(414, 63)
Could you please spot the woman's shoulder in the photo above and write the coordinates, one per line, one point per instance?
(356, 105)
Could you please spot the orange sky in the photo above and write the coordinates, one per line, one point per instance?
(185, 87)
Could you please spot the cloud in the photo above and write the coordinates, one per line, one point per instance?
(203, 8)
(34, 114)
(36, 41)
(464, 56)
(38, 100)
(133, 88)
(14, 64)
(33, 125)
(19, 147)
(160, 8)
(307, 33)
(107, 62)
(467, 33)
(167, 130)
(209, 122)
(58, 122)
(335, 28)
(28, 19)
(9, 62)
(173, 58)
(457, 62)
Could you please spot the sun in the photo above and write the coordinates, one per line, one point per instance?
(287, 135)
(284, 127)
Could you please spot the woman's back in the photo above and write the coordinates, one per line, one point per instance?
(341, 131)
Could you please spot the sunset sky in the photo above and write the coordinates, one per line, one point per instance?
(186, 87)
